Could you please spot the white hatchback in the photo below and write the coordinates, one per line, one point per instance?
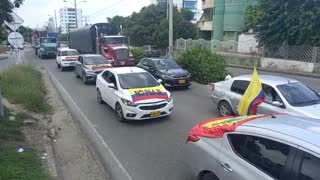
(133, 93)
(66, 58)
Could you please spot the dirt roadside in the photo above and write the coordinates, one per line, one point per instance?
(71, 149)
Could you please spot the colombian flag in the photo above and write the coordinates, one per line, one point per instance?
(216, 128)
(148, 93)
(253, 96)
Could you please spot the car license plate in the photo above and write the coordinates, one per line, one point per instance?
(182, 81)
(155, 114)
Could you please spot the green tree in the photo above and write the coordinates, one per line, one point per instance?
(26, 32)
(6, 7)
(286, 22)
(150, 26)
(119, 21)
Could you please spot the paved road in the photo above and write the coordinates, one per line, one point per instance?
(151, 149)
(148, 150)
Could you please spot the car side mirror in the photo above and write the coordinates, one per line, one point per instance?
(277, 103)
(111, 85)
(159, 81)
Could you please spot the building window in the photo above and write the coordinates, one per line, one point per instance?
(190, 5)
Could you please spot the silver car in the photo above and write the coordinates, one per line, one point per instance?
(271, 148)
(284, 95)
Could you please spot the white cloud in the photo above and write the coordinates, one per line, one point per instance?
(36, 12)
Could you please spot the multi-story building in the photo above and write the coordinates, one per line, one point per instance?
(51, 25)
(205, 23)
(223, 20)
(192, 5)
(68, 19)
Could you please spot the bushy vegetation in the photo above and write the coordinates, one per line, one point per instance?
(204, 66)
(138, 54)
(24, 85)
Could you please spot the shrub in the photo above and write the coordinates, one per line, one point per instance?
(204, 66)
(24, 85)
(138, 54)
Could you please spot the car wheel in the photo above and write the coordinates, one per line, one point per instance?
(76, 73)
(225, 109)
(99, 97)
(84, 79)
(209, 176)
(119, 113)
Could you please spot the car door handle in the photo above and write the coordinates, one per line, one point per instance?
(226, 167)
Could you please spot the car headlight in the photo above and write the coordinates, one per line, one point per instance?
(169, 99)
(128, 103)
(42, 49)
(89, 72)
(166, 76)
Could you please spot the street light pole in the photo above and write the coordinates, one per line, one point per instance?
(170, 27)
(75, 7)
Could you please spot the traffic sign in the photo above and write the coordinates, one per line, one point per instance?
(16, 23)
(16, 40)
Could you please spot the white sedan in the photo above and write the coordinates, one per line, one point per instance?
(133, 93)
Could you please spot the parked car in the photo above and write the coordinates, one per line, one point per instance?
(275, 147)
(284, 95)
(66, 58)
(171, 74)
(88, 66)
(151, 51)
(133, 93)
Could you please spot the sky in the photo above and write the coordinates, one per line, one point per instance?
(36, 12)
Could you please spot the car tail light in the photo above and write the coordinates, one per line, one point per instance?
(192, 138)
(211, 87)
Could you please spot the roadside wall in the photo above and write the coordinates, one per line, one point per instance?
(288, 65)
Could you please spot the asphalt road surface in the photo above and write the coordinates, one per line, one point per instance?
(152, 149)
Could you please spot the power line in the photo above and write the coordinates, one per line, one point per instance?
(115, 4)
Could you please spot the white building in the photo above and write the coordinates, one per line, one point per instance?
(68, 19)
(192, 5)
(51, 25)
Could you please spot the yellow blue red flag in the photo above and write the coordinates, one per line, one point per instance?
(253, 96)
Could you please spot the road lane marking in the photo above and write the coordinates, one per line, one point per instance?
(94, 129)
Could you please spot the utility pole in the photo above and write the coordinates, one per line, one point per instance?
(55, 20)
(75, 7)
(170, 27)
(1, 106)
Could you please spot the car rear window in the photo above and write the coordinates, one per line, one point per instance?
(70, 53)
(239, 86)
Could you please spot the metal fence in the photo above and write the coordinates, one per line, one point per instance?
(250, 48)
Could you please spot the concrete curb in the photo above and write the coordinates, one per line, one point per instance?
(276, 71)
(107, 158)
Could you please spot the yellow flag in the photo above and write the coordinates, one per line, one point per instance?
(253, 96)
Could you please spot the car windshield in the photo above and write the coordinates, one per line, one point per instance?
(167, 64)
(116, 40)
(48, 40)
(95, 60)
(69, 53)
(137, 80)
(297, 94)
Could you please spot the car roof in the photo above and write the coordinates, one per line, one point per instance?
(158, 59)
(126, 70)
(114, 36)
(91, 55)
(268, 79)
(302, 128)
(67, 49)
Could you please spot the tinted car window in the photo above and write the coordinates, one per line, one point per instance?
(268, 155)
(239, 86)
(297, 94)
(48, 40)
(69, 53)
(95, 60)
(309, 169)
(137, 80)
(166, 64)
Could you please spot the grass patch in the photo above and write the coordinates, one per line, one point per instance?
(14, 165)
(24, 85)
